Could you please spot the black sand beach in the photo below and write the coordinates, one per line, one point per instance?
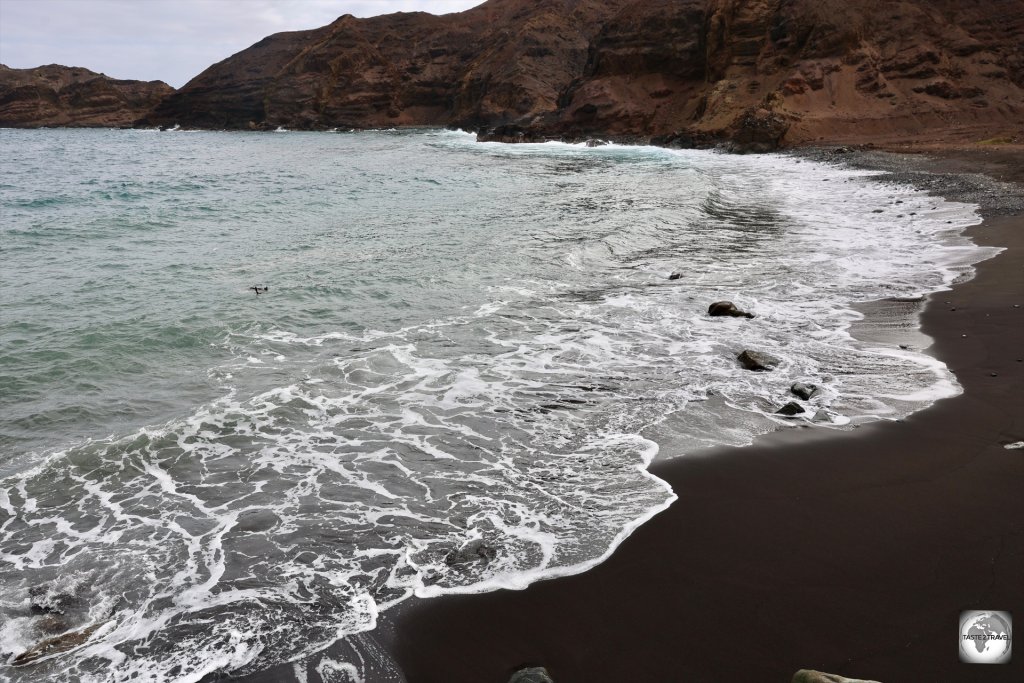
(852, 554)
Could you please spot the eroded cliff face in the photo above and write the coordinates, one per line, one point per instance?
(760, 73)
(57, 95)
(764, 72)
(502, 62)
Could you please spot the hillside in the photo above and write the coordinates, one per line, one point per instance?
(759, 72)
(56, 95)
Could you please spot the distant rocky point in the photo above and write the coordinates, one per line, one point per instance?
(56, 95)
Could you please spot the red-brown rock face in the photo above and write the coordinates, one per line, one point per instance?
(761, 73)
(501, 62)
(57, 95)
(769, 72)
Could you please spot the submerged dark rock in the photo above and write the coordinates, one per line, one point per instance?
(531, 674)
(758, 361)
(52, 646)
(804, 390)
(790, 409)
(51, 624)
(474, 551)
(45, 599)
(727, 308)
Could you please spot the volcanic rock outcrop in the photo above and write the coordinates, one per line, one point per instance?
(57, 95)
(503, 62)
(760, 73)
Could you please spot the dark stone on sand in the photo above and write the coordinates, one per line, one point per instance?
(727, 308)
(52, 646)
(757, 361)
(675, 276)
(531, 674)
(809, 676)
(790, 409)
(474, 551)
(804, 390)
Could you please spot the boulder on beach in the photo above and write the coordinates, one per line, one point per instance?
(810, 676)
(727, 308)
(804, 390)
(790, 409)
(531, 674)
(758, 361)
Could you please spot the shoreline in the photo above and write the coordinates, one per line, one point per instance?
(770, 562)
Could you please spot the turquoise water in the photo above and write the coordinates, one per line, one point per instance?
(464, 360)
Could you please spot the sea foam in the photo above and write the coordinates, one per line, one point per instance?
(502, 439)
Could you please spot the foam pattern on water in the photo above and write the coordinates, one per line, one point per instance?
(500, 443)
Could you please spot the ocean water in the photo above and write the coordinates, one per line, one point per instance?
(464, 361)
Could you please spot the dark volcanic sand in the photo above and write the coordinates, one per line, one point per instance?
(852, 554)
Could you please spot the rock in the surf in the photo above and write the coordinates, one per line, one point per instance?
(675, 276)
(822, 417)
(758, 361)
(810, 676)
(46, 599)
(531, 674)
(727, 308)
(474, 551)
(804, 390)
(51, 646)
(790, 409)
(51, 624)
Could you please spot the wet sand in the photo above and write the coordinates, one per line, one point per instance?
(852, 553)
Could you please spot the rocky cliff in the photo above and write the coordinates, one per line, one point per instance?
(505, 61)
(767, 72)
(57, 95)
(760, 73)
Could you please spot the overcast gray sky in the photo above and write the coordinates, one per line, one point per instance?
(169, 40)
